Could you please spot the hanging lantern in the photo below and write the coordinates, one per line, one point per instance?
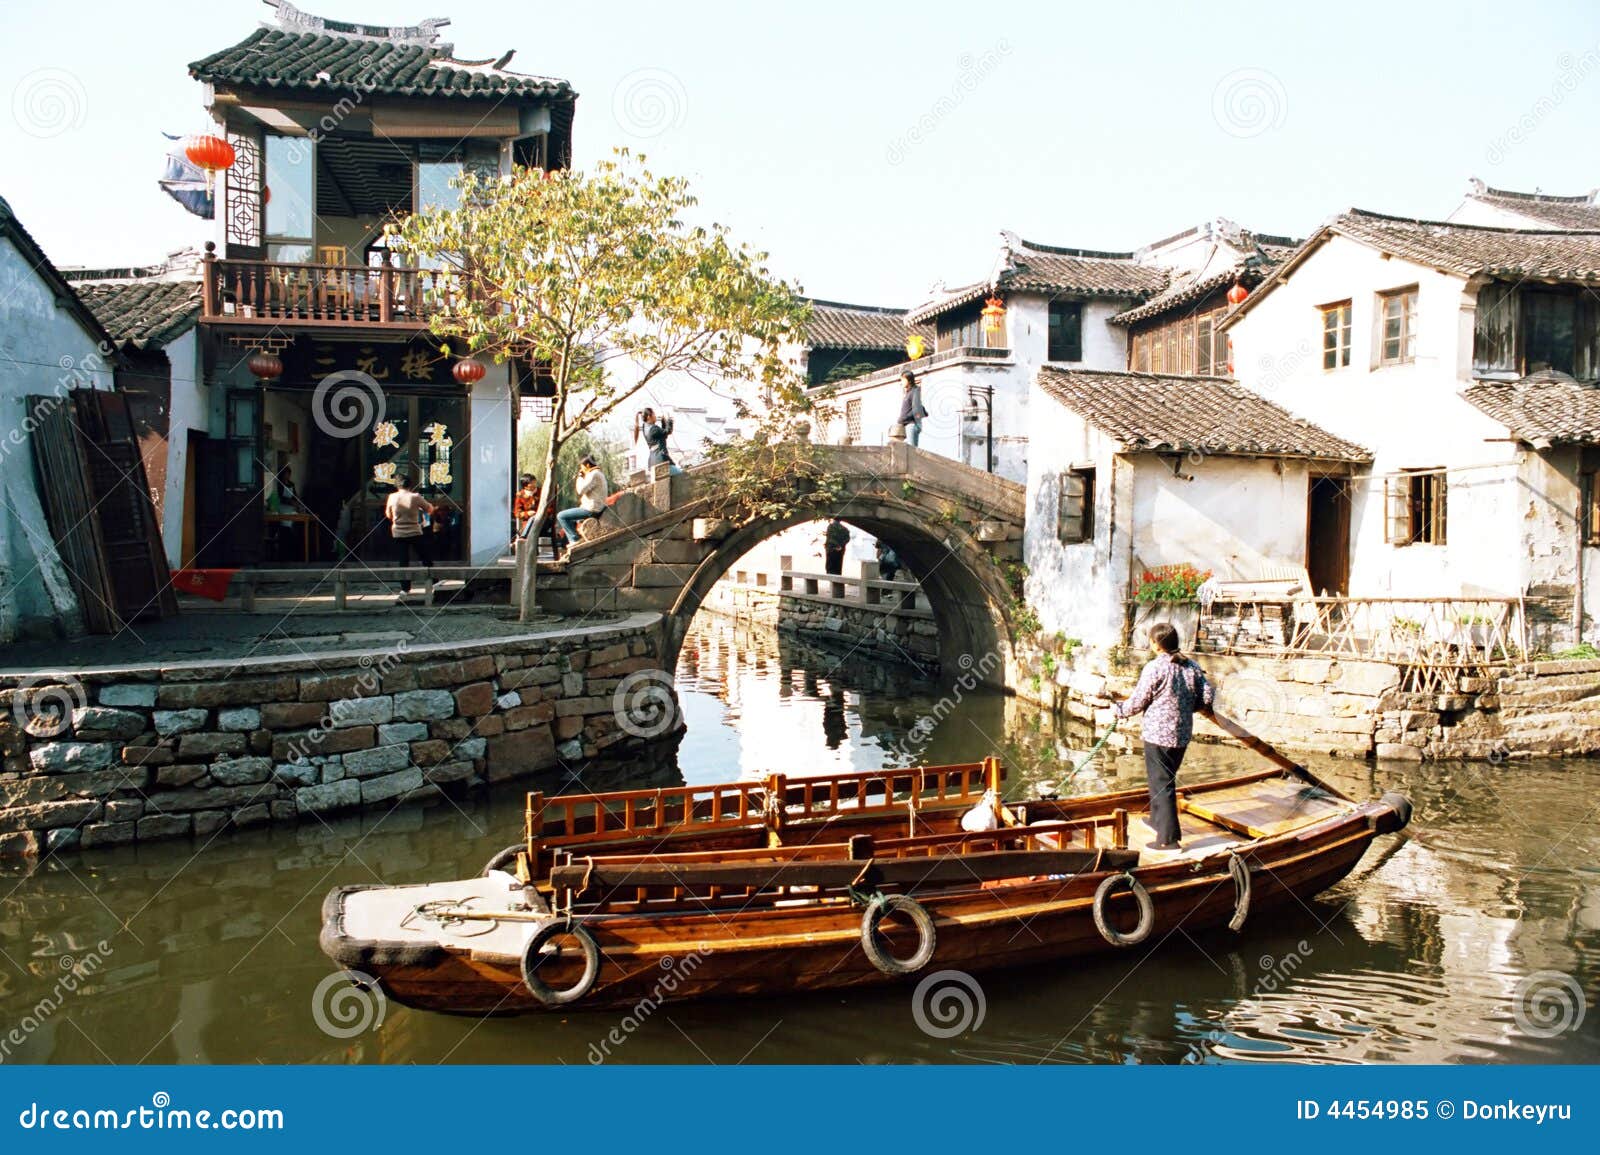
(994, 317)
(1238, 293)
(468, 371)
(267, 366)
(211, 153)
(914, 346)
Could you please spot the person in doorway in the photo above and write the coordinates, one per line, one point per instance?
(834, 542)
(888, 562)
(1170, 691)
(912, 410)
(526, 503)
(405, 511)
(592, 488)
(654, 431)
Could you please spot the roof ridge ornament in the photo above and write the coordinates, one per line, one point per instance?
(425, 34)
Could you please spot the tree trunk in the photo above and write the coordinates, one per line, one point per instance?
(528, 544)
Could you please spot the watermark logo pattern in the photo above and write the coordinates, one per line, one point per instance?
(1248, 102)
(649, 102)
(644, 704)
(948, 1003)
(48, 102)
(348, 1003)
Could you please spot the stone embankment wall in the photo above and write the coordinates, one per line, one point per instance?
(105, 757)
(1358, 709)
(868, 631)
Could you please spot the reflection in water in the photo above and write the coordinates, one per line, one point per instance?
(1423, 955)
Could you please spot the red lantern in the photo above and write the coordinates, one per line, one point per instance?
(267, 366)
(468, 371)
(1238, 293)
(994, 317)
(211, 153)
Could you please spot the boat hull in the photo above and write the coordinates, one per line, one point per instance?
(657, 957)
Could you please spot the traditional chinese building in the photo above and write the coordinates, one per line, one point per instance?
(320, 383)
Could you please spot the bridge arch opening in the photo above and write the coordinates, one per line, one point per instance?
(965, 589)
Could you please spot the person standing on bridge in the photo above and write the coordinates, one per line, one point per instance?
(1170, 691)
(592, 488)
(834, 542)
(912, 410)
(654, 432)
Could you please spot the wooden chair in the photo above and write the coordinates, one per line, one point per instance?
(335, 291)
(1309, 616)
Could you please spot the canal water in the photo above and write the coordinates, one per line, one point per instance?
(1472, 937)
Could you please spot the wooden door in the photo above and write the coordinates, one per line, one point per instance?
(1328, 534)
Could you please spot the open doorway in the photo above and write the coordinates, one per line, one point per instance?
(1328, 534)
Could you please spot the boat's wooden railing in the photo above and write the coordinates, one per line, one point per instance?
(575, 820)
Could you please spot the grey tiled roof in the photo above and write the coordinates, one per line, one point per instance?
(1565, 212)
(279, 58)
(145, 314)
(1031, 267)
(1470, 250)
(1542, 406)
(1210, 415)
(836, 325)
(1049, 269)
(1465, 250)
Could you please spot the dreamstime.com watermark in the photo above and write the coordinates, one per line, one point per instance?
(160, 1115)
(973, 71)
(1248, 102)
(644, 704)
(1571, 71)
(75, 374)
(348, 1003)
(1548, 1003)
(346, 711)
(43, 705)
(974, 673)
(347, 403)
(674, 971)
(948, 1003)
(74, 973)
(48, 102)
(648, 102)
(1276, 972)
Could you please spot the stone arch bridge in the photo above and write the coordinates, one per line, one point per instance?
(660, 547)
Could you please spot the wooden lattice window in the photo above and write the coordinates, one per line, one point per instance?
(1075, 506)
(852, 421)
(1397, 326)
(1414, 507)
(1336, 335)
(243, 187)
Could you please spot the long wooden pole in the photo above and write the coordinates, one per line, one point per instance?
(1250, 742)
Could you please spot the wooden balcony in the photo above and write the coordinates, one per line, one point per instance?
(251, 293)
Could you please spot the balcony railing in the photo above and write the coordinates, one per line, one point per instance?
(961, 354)
(1436, 641)
(279, 292)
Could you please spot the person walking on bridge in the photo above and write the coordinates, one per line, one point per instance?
(912, 411)
(1170, 691)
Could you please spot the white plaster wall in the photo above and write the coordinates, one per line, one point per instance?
(494, 463)
(1475, 212)
(189, 408)
(1409, 415)
(44, 351)
(1231, 515)
(1076, 590)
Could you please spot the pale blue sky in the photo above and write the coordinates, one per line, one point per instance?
(1102, 126)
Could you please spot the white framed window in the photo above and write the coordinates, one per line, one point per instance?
(1335, 335)
(1397, 326)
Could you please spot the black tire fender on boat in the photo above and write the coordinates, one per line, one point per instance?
(1147, 911)
(544, 935)
(503, 860)
(1239, 871)
(1399, 815)
(927, 938)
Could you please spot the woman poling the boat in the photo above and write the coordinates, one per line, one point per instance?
(1171, 689)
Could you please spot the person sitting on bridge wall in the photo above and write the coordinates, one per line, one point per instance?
(592, 488)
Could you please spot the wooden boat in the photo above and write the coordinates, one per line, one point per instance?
(845, 880)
